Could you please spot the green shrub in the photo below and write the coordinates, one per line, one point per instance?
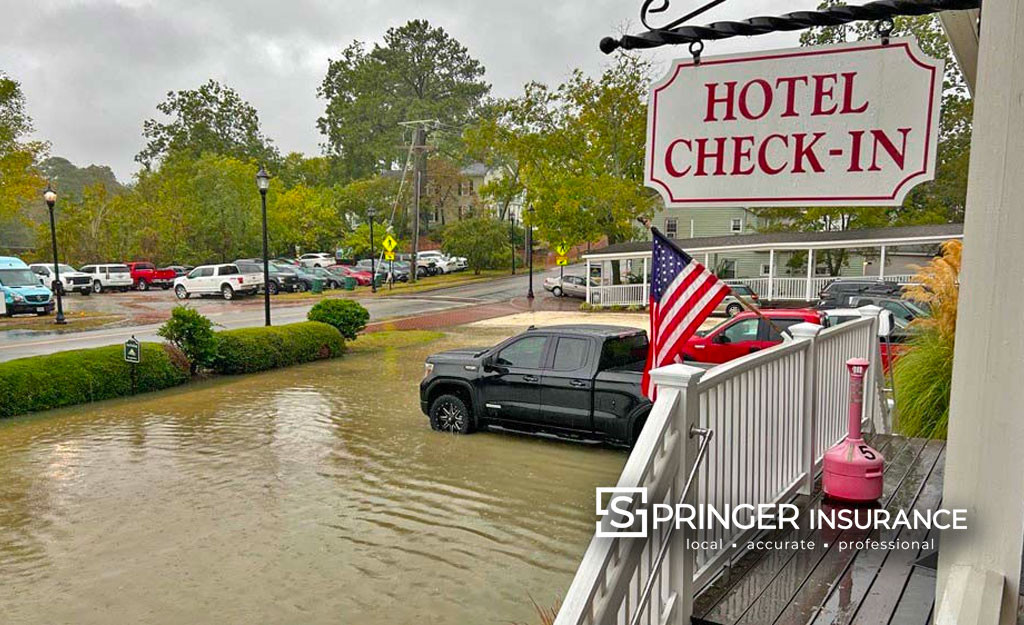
(85, 375)
(193, 334)
(923, 376)
(258, 349)
(347, 316)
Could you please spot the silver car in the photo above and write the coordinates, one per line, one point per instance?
(731, 305)
(569, 286)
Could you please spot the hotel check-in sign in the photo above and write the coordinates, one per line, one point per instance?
(848, 125)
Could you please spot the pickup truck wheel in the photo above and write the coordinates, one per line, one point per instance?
(85, 291)
(143, 285)
(97, 286)
(272, 287)
(448, 413)
(300, 287)
(557, 291)
(733, 309)
(227, 292)
(181, 292)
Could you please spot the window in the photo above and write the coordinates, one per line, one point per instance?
(736, 225)
(227, 270)
(525, 352)
(570, 354)
(41, 271)
(745, 330)
(766, 269)
(727, 269)
(88, 269)
(628, 352)
(671, 227)
(781, 324)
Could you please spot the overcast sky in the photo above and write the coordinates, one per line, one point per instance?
(93, 70)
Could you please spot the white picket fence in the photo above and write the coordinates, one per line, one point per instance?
(766, 421)
(779, 288)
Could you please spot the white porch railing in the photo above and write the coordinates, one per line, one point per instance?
(788, 288)
(771, 416)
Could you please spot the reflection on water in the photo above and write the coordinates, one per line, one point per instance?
(316, 494)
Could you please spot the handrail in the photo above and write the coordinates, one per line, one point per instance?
(645, 597)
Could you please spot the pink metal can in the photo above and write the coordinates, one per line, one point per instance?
(853, 469)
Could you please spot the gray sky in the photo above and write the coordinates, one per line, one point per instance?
(93, 70)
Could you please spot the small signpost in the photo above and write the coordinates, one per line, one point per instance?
(562, 249)
(389, 255)
(133, 356)
(562, 261)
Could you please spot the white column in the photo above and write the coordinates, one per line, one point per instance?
(810, 274)
(809, 403)
(586, 279)
(771, 275)
(707, 261)
(647, 287)
(881, 264)
(984, 463)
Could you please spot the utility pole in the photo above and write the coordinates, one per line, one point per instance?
(419, 147)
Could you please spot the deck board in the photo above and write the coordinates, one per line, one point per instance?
(826, 586)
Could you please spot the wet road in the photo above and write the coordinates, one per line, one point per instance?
(298, 496)
(228, 315)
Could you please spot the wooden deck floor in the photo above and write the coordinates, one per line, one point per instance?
(831, 584)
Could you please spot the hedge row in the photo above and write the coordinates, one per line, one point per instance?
(85, 375)
(258, 349)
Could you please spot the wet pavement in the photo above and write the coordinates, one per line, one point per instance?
(314, 494)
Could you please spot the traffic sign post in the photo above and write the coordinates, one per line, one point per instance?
(562, 249)
(389, 255)
(389, 244)
(562, 261)
(133, 356)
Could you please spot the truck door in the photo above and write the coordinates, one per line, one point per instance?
(513, 392)
(735, 339)
(566, 392)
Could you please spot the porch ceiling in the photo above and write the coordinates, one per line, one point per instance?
(868, 237)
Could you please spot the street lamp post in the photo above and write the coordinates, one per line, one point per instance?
(263, 182)
(370, 214)
(529, 246)
(512, 236)
(51, 199)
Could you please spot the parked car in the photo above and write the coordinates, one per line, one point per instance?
(331, 280)
(837, 293)
(580, 381)
(362, 278)
(731, 305)
(904, 311)
(441, 261)
(279, 280)
(569, 286)
(21, 290)
(145, 275)
(227, 280)
(180, 270)
(892, 348)
(318, 259)
(746, 333)
(108, 277)
(70, 278)
(303, 277)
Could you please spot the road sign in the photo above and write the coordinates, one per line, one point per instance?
(132, 351)
(846, 125)
(389, 256)
(562, 249)
(562, 261)
(389, 243)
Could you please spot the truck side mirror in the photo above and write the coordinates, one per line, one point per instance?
(721, 339)
(490, 367)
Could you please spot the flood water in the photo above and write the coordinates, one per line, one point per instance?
(316, 494)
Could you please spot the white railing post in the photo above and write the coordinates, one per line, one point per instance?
(587, 279)
(872, 400)
(771, 275)
(810, 273)
(647, 288)
(680, 560)
(809, 416)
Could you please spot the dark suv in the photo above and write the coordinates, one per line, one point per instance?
(278, 280)
(839, 292)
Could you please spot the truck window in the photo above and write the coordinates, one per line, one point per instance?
(624, 352)
(570, 354)
(525, 352)
(781, 324)
(227, 270)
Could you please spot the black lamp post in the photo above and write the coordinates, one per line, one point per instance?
(263, 183)
(512, 236)
(529, 246)
(51, 199)
(370, 214)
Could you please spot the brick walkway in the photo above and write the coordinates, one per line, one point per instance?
(469, 314)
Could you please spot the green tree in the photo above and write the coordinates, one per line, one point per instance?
(212, 118)
(418, 72)
(357, 242)
(304, 217)
(483, 241)
(20, 181)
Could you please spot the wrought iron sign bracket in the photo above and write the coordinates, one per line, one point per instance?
(676, 32)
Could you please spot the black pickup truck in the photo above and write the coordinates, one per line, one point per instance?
(575, 381)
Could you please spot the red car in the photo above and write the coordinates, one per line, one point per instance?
(145, 275)
(362, 277)
(745, 333)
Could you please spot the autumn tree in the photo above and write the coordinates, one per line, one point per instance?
(20, 182)
(418, 72)
(212, 118)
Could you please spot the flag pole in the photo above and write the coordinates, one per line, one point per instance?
(742, 300)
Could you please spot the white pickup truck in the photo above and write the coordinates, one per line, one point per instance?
(226, 280)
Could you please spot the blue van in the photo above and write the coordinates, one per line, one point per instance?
(21, 289)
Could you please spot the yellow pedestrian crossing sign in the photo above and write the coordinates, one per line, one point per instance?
(562, 261)
(389, 243)
(562, 249)
(389, 256)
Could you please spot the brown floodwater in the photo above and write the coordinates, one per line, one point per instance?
(315, 494)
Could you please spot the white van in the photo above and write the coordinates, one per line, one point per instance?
(112, 277)
(70, 278)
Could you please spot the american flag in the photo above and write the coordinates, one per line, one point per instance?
(683, 294)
